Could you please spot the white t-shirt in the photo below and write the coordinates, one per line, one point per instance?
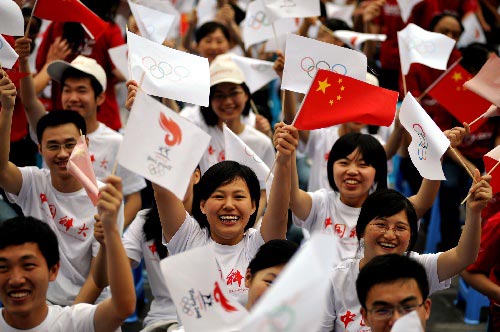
(135, 244)
(233, 260)
(343, 312)
(327, 210)
(71, 217)
(104, 144)
(193, 113)
(257, 141)
(318, 148)
(78, 317)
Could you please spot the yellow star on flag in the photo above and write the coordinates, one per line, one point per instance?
(457, 76)
(323, 85)
(331, 102)
(339, 97)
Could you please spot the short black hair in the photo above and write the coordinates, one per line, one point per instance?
(475, 55)
(335, 24)
(77, 74)
(221, 174)
(386, 203)
(439, 16)
(20, 230)
(373, 154)
(389, 268)
(272, 253)
(59, 118)
(210, 27)
(211, 119)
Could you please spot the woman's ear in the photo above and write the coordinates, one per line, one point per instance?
(248, 278)
(202, 206)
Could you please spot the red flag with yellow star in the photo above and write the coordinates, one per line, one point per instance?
(333, 99)
(462, 103)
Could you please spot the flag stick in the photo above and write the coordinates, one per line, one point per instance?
(115, 166)
(276, 157)
(476, 120)
(276, 38)
(489, 173)
(253, 106)
(430, 87)
(452, 150)
(405, 90)
(130, 76)
(30, 19)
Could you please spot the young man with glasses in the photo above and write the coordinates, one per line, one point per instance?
(391, 286)
(54, 196)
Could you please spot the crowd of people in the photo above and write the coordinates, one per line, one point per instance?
(65, 263)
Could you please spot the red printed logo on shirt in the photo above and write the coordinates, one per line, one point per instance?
(152, 247)
(328, 222)
(234, 276)
(82, 230)
(66, 222)
(347, 318)
(104, 164)
(340, 230)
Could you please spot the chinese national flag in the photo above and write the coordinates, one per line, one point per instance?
(70, 11)
(491, 160)
(462, 103)
(333, 99)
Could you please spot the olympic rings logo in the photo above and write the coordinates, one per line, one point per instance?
(423, 145)
(258, 20)
(162, 69)
(310, 66)
(252, 155)
(421, 46)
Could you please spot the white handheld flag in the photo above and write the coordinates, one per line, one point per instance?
(166, 7)
(356, 39)
(257, 25)
(473, 32)
(206, 10)
(119, 56)
(408, 323)
(296, 300)
(201, 297)
(428, 48)
(8, 56)
(406, 7)
(237, 150)
(292, 8)
(168, 72)
(428, 143)
(342, 12)
(153, 24)
(161, 145)
(257, 72)
(11, 19)
(304, 56)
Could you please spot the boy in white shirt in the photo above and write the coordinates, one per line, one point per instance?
(54, 196)
(29, 261)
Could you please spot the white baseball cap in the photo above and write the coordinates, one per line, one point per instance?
(82, 63)
(223, 69)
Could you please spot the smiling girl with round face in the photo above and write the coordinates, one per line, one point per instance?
(357, 166)
(225, 203)
(388, 224)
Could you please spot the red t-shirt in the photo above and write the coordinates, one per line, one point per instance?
(488, 259)
(390, 22)
(418, 79)
(19, 128)
(109, 112)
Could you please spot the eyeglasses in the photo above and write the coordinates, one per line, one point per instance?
(384, 228)
(68, 146)
(386, 312)
(221, 96)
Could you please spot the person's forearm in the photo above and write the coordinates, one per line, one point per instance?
(470, 239)
(482, 284)
(32, 105)
(133, 204)
(5, 128)
(89, 292)
(119, 273)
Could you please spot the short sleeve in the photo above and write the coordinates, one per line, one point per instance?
(134, 237)
(189, 235)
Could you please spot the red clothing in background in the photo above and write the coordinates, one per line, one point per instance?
(109, 112)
